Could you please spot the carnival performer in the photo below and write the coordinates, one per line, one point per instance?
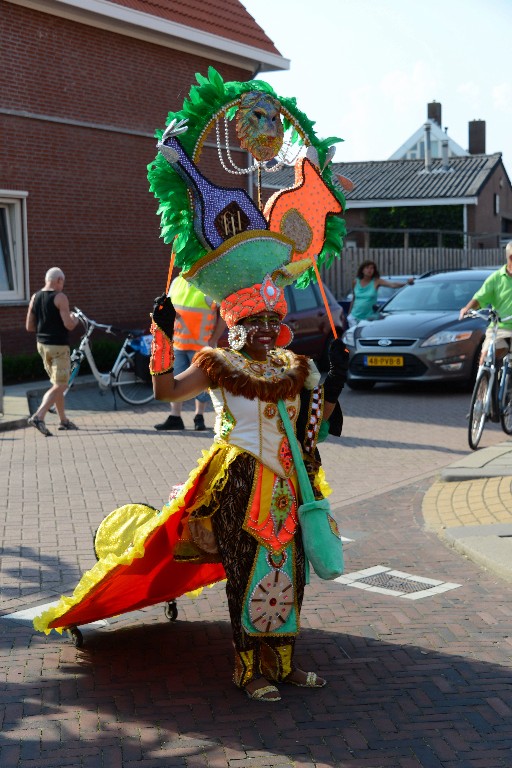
(236, 517)
(250, 520)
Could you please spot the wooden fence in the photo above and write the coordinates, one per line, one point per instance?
(398, 261)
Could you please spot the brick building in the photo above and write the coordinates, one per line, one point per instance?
(431, 182)
(83, 88)
(471, 195)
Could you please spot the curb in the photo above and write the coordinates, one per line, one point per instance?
(493, 551)
(456, 475)
(12, 419)
(11, 425)
(495, 461)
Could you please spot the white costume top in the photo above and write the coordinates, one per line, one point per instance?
(244, 393)
(255, 427)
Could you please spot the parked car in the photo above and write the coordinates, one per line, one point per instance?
(307, 317)
(383, 294)
(418, 336)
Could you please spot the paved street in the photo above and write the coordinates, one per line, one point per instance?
(417, 676)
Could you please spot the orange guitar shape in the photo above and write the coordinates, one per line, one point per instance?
(300, 212)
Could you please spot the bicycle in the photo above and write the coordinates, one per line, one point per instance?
(129, 375)
(492, 393)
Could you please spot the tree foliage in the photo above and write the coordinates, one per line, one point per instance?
(432, 219)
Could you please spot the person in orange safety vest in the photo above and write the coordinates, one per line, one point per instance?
(197, 325)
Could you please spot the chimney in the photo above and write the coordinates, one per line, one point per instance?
(428, 151)
(444, 154)
(434, 112)
(476, 137)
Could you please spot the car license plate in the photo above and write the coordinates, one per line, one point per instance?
(384, 361)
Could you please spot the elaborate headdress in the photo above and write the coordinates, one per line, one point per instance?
(224, 244)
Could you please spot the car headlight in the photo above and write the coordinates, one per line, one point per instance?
(348, 337)
(446, 337)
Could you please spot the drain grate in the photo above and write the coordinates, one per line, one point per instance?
(395, 583)
(386, 581)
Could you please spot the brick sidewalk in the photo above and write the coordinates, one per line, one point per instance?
(411, 682)
(483, 501)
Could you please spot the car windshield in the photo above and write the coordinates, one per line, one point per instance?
(434, 296)
(386, 293)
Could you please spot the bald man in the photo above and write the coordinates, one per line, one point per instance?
(49, 317)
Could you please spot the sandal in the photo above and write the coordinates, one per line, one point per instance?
(68, 425)
(265, 693)
(39, 424)
(312, 680)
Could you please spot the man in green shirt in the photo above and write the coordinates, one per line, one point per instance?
(496, 291)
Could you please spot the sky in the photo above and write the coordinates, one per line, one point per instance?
(365, 70)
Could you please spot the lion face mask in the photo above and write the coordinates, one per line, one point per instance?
(259, 126)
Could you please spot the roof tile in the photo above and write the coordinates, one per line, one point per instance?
(407, 179)
(225, 18)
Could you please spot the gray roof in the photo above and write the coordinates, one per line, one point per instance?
(406, 182)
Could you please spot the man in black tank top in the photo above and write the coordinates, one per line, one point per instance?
(49, 317)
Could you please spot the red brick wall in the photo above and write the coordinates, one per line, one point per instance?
(355, 218)
(483, 218)
(89, 207)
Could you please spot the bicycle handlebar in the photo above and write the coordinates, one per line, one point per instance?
(87, 321)
(488, 314)
(107, 328)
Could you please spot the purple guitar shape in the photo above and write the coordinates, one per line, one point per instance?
(219, 212)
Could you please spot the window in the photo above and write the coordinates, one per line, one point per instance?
(13, 247)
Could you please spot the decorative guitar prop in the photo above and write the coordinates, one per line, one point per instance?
(219, 212)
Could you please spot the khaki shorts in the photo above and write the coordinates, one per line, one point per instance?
(503, 338)
(56, 361)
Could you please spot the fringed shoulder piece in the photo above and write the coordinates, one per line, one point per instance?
(281, 377)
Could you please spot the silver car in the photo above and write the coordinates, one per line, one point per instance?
(418, 336)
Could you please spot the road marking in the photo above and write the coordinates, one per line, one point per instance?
(387, 581)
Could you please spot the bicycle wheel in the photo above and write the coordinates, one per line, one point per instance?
(477, 414)
(506, 409)
(132, 389)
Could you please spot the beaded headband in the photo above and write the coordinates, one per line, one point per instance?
(251, 301)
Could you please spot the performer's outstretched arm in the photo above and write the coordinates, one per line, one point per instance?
(167, 388)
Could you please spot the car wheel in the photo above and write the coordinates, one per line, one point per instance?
(361, 385)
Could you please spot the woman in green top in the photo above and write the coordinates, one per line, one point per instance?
(364, 291)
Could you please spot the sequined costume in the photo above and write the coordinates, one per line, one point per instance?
(235, 518)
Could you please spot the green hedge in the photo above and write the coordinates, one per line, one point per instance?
(18, 369)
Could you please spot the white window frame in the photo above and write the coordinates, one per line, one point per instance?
(14, 204)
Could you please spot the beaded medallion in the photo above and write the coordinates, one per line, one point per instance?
(270, 601)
